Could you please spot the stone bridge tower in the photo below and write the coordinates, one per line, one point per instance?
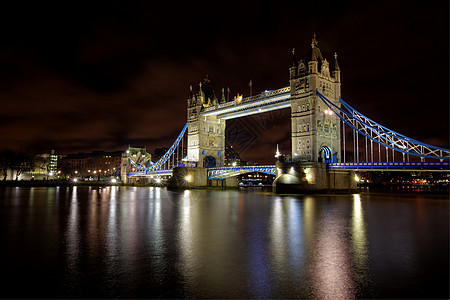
(314, 127)
(206, 135)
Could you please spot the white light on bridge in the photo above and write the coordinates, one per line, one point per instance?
(188, 178)
(328, 112)
(113, 180)
(158, 180)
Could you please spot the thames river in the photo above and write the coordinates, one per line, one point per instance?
(145, 242)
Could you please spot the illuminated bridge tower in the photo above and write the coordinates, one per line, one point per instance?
(315, 131)
(206, 134)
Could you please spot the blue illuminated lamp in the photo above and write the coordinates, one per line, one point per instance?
(218, 153)
(203, 152)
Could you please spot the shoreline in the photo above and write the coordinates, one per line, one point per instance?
(360, 190)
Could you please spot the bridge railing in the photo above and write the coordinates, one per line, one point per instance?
(262, 95)
(392, 166)
(224, 172)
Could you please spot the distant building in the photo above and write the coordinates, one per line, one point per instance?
(90, 164)
(53, 162)
(231, 156)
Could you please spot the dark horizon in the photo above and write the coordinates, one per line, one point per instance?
(102, 77)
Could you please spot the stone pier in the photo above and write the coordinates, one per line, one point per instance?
(197, 177)
(311, 177)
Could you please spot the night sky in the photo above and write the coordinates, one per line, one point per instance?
(82, 76)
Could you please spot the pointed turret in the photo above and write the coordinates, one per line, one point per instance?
(337, 70)
(294, 65)
(336, 65)
(314, 57)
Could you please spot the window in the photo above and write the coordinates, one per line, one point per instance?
(319, 126)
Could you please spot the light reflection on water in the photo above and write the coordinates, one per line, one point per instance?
(129, 242)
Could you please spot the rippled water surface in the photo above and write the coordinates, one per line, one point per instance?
(139, 242)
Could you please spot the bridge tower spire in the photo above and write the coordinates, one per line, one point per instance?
(313, 126)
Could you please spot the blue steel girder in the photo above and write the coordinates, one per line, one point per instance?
(157, 165)
(227, 172)
(382, 135)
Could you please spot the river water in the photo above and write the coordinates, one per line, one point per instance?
(145, 242)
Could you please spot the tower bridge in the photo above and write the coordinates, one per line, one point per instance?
(319, 119)
(264, 102)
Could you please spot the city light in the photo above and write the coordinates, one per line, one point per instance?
(277, 154)
(188, 178)
(75, 180)
(158, 180)
(238, 99)
(113, 180)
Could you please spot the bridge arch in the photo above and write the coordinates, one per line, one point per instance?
(209, 161)
(326, 153)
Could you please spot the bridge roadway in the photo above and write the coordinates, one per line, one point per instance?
(264, 102)
(226, 172)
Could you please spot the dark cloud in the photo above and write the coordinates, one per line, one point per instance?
(100, 76)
